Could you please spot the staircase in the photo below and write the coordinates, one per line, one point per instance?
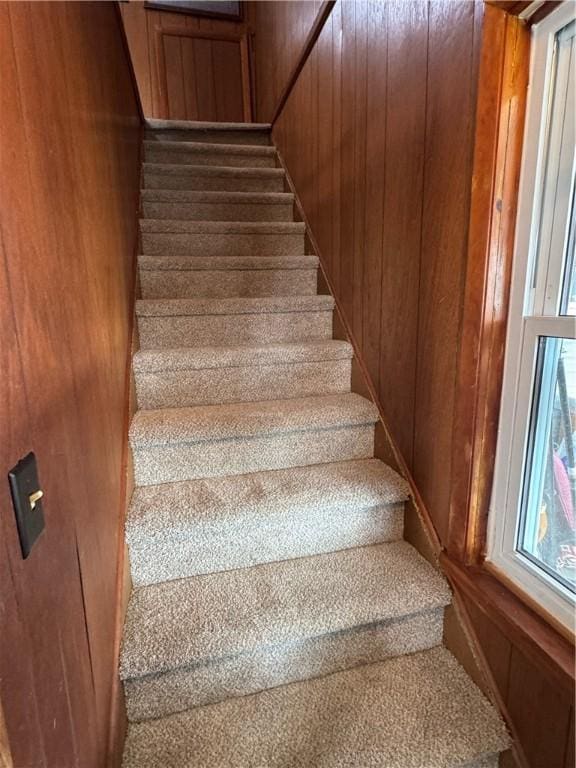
(277, 618)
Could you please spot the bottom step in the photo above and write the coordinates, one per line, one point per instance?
(416, 711)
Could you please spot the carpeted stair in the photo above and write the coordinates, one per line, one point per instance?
(276, 618)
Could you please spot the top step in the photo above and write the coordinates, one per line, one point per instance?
(214, 133)
(200, 153)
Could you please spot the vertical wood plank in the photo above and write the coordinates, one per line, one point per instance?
(228, 89)
(540, 712)
(174, 77)
(204, 82)
(359, 212)
(375, 162)
(444, 230)
(337, 34)
(403, 207)
(348, 112)
(190, 75)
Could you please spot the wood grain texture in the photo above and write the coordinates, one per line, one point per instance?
(68, 200)
(282, 30)
(189, 67)
(385, 183)
(540, 710)
(496, 173)
(381, 154)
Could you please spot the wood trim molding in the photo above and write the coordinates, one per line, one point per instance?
(496, 172)
(537, 639)
(128, 55)
(320, 20)
(515, 8)
(118, 720)
(202, 34)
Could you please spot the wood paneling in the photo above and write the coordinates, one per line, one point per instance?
(69, 163)
(385, 184)
(189, 67)
(282, 31)
(378, 138)
(541, 710)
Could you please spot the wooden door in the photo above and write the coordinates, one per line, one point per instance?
(203, 75)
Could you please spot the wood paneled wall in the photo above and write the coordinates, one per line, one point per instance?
(282, 31)
(541, 709)
(69, 163)
(377, 135)
(168, 67)
(378, 138)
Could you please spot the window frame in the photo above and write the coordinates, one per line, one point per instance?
(526, 323)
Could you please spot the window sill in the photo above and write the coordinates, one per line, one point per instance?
(535, 635)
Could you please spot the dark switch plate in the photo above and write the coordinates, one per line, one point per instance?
(25, 486)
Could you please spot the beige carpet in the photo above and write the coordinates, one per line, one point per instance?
(277, 618)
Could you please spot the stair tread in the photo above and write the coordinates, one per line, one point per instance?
(197, 125)
(196, 358)
(175, 226)
(178, 623)
(348, 485)
(266, 417)
(213, 263)
(211, 170)
(208, 196)
(233, 306)
(413, 711)
(208, 148)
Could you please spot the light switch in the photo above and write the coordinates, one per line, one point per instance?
(27, 500)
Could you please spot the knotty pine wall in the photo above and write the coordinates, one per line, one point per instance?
(69, 164)
(377, 135)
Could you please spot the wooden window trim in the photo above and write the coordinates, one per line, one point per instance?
(515, 8)
(501, 107)
(538, 638)
(500, 116)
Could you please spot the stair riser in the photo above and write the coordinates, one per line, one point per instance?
(222, 284)
(255, 138)
(218, 211)
(177, 462)
(192, 183)
(161, 695)
(215, 244)
(174, 389)
(180, 156)
(192, 550)
(489, 761)
(208, 330)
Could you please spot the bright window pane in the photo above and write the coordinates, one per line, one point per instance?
(547, 530)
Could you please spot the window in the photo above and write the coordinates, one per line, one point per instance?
(532, 526)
